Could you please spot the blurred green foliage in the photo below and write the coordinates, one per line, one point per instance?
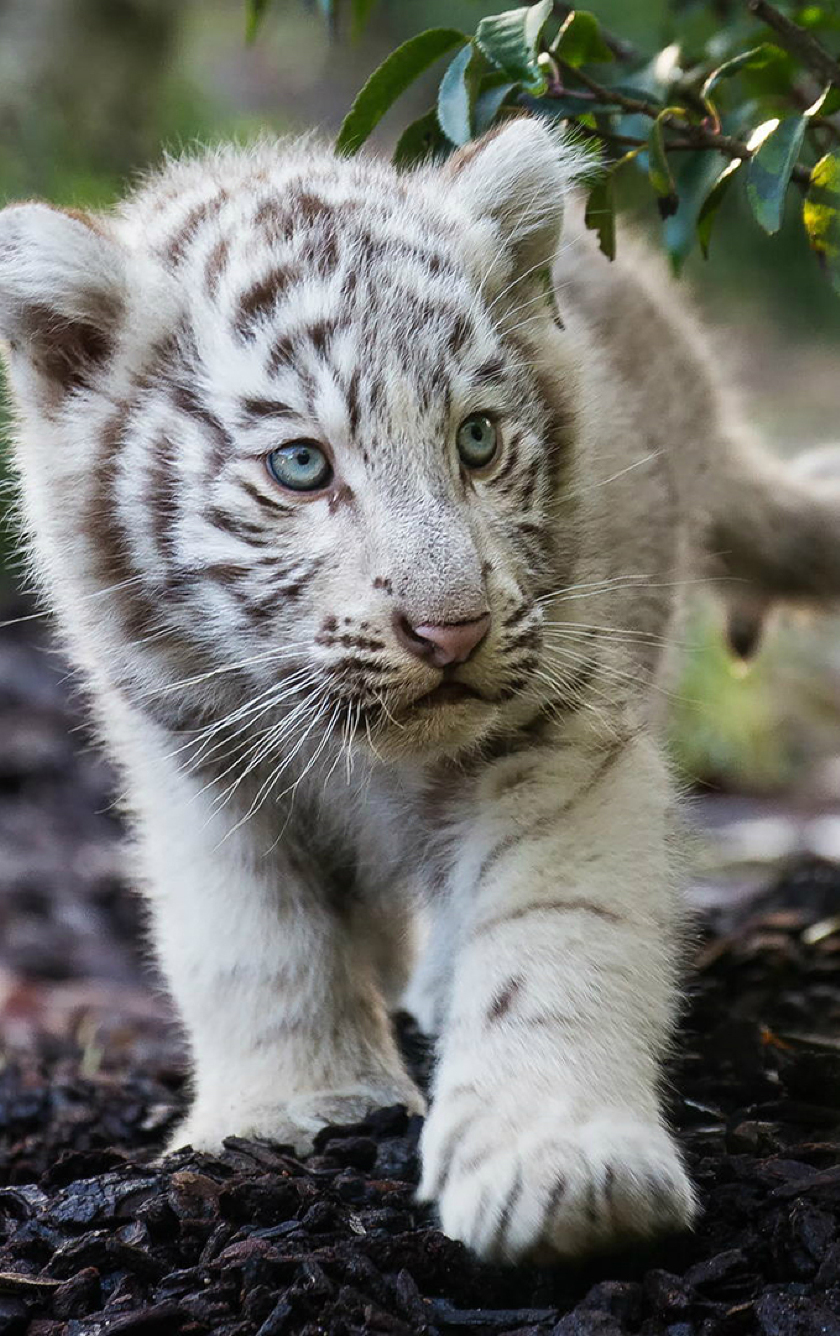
(725, 724)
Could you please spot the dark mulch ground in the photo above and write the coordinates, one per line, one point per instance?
(95, 1240)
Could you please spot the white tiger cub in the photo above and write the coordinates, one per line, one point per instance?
(369, 549)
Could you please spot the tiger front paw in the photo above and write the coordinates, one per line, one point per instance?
(543, 1188)
(293, 1122)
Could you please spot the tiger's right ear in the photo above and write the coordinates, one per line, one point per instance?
(63, 293)
(518, 176)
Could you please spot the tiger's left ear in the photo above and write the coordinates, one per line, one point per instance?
(63, 293)
(518, 177)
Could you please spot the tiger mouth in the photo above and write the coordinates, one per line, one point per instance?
(447, 693)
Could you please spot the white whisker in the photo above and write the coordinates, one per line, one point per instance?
(47, 613)
(278, 652)
(267, 784)
(603, 482)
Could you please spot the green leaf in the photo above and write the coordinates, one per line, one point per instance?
(579, 41)
(827, 103)
(753, 59)
(421, 140)
(695, 177)
(455, 98)
(821, 215)
(776, 152)
(600, 214)
(493, 90)
(659, 168)
(711, 204)
(774, 74)
(511, 42)
(769, 171)
(393, 76)
(831, 102)
(254, 14)
(360, 12)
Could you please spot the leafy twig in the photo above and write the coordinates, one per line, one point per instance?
(693, 135)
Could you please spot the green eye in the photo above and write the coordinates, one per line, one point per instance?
(478, 440)
(301, 466)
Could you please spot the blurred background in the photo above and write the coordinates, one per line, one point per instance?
(93, 91)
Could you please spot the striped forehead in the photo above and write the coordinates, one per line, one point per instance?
(306, 263)
(314, 296)
(331, 289)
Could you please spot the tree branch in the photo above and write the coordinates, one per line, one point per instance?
(797, 41)
(691, 134)
(634, 106)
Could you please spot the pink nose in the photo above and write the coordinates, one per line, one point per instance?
(453, 642)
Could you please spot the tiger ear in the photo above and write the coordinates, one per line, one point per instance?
(63, 293)
(518, 177)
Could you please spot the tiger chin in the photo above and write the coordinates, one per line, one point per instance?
(370, 551)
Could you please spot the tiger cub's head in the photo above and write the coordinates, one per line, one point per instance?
(311, 422)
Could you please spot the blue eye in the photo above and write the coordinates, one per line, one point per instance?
(478, 440)
(301, 466)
